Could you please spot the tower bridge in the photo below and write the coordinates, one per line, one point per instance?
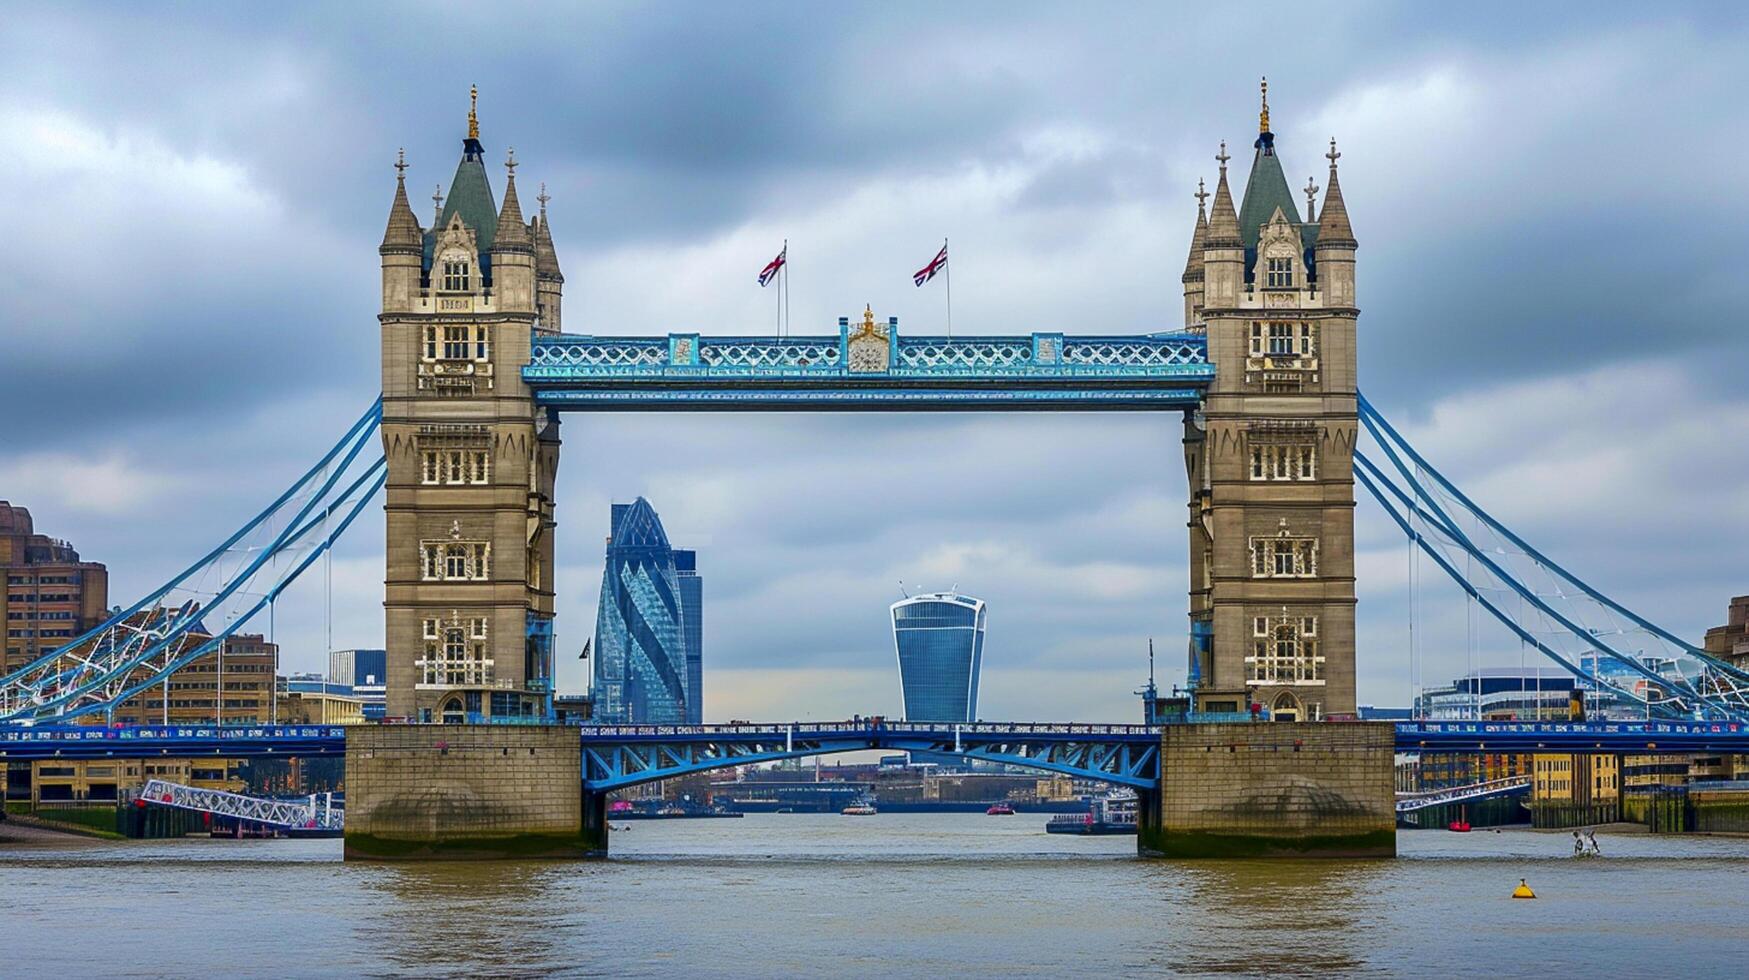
(1260, 370)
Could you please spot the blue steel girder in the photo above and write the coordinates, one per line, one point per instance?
(872, 369)
(615, 757)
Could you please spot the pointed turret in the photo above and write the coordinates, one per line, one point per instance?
(549, 282)
(513, 249)
(403, 230)
(1223, 227)
(1223, 254)
(1193, 272)
(511, 234)
(1335, 246)
(470, 193)
(1266, 186)
(1193, 261)
(402, 248)
(1333, 227)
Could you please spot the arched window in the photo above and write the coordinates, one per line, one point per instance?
(1286, 707)
(456, 273)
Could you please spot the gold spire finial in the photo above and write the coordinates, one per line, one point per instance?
(473, 114)
(1263, 117)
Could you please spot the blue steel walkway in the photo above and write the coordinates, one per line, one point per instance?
(617, 756)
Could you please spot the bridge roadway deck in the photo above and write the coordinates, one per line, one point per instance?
(244, 741)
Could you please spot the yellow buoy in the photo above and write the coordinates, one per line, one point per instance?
(1523, 890)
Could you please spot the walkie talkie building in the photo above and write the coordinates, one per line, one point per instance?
(939, 638)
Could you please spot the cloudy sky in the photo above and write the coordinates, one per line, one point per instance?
(1550, 211)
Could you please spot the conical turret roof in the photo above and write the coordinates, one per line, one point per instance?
(403, 230)
(546, 258)
(511, 231)
(1265, 190)
(1193, 262)
(1333, 227)
(1223, 230)
(470, 196)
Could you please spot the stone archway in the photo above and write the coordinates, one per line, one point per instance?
(453, 712)
(1286, 707)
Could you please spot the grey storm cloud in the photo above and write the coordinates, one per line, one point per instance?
(1546, 211)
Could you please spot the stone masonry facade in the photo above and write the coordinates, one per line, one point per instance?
(468, 591)
(1269, 456)
(1242, 790)
(464, 791)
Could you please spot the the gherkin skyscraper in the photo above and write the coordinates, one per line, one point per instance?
(642, 635)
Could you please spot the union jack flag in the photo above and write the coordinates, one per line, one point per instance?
(935, 265)
(770, 271)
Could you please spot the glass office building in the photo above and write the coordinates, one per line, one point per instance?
(647, 671)
(692, 625)
(939, 639)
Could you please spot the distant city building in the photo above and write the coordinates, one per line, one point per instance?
(51, 595)
(692, 623)
(1731, 641)
(312, 699)
(939, 639)
(242, 678)
(572, 709)
(364, 671)
(647, 671)
(1500, 694)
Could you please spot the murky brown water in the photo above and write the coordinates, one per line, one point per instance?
(893, 895)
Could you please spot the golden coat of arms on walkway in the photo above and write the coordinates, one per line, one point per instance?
(869, 346)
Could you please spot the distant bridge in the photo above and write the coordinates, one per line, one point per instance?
(618, 756)
(316, 812)
(1472, 793)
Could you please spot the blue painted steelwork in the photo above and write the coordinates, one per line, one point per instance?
(615, 757)
(1700, 686)
(1576, 736)
(145, 741)
(124, 656)
(618, 756)
(1040, 371)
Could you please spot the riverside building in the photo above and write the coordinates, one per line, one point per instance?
(51, 596)
(939, 640)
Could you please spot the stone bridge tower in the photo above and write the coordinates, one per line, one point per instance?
(1270, 455)
(471, 459)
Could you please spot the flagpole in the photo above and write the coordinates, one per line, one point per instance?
(947, 276)
(786, 320)
(779, 296)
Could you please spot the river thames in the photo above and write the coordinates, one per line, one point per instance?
(890, 895)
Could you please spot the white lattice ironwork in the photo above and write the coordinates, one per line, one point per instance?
(586, 352)
(822, 351)
(1410, 802)
(314, 813)
(1134, 353)
(966, 353)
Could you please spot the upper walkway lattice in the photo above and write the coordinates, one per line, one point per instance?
(874, 367)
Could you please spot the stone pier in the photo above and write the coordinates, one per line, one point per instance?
(1308, 789)
(461, 792)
